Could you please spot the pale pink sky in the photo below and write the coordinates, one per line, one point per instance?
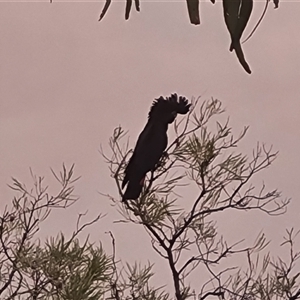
(66, 81)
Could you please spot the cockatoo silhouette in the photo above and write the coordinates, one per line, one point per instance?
(152, 142)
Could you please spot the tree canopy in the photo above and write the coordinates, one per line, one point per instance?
(203, 176)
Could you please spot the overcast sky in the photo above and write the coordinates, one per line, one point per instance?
(66, 81)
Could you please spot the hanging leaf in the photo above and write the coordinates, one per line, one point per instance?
(127, 9)
(105, 8)
(240, 55)
(243, 18)
(137, 5)
(193, 10)
(258, 23)
(231, 12)
(236, 15)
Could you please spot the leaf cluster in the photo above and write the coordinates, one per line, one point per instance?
(58, 268)
(236, 15)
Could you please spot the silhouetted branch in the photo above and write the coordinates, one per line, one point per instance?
(187, 238)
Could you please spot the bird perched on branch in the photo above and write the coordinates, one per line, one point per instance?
(152, 142)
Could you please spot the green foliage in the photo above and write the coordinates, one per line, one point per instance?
(185, 234)
(58, 268)
(66, 269)
(204, 153)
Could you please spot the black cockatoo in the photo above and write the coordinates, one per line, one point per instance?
(152, 142)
